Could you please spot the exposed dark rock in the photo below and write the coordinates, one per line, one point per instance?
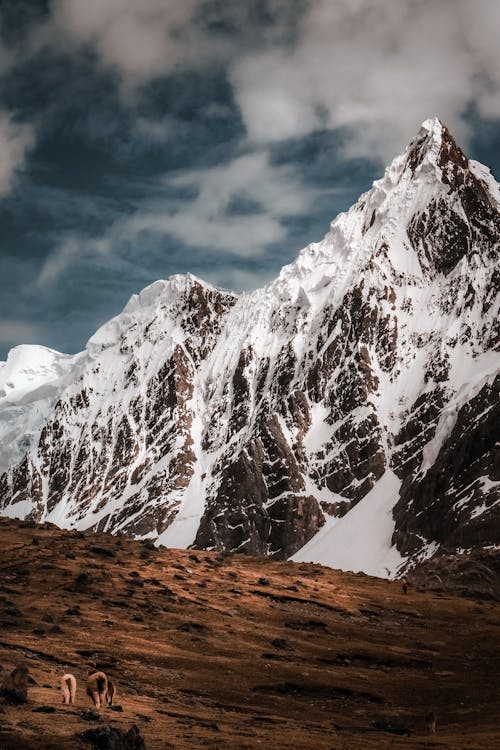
(14, 686)
(475, 574)
(455, 503)
(386, 725)
(109, 738)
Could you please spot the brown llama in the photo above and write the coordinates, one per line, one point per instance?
(97, 688)
(430, 722)
(68, 688)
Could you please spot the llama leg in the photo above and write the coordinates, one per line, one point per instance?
(65, 692)
(111, 693)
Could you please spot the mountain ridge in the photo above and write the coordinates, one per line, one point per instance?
(250, 421)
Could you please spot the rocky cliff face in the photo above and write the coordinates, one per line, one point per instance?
(198, 417)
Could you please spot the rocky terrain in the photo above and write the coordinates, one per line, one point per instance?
(236, 652)
(356, 397)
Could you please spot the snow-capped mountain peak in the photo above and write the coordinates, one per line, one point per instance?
(358, 386)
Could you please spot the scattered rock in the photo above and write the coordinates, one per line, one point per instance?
(280, 643)
(189, 627)
(14, 686)
(104, 551)
(90, 715)
(73, 612)
(385, 725)
(83, 579)
(109, 738)
(12, 612)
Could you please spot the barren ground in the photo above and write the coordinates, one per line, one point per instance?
(240, 653)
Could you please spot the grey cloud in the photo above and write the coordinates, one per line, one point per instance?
(239, 208)
(15, 141)
(67, 253)
(374, 69)
(377, 69)
(211, 219)
(143, 40)
(139, 41)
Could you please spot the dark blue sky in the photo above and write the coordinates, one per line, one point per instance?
(141, 139)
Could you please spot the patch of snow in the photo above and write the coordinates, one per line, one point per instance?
(320, 432)
(360, 540)
(18, 510)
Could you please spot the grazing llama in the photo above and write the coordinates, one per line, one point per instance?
(68, 688)
(430, 722)
(97, 688)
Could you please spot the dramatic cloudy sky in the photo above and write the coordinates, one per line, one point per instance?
(141, 138)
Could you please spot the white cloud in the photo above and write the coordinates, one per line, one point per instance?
(239, 208)
(376, 69)
(15, 140)
(66, 254)
(482, 19)
(212, 219)
(139, 40)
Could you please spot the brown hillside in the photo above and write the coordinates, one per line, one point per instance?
(240, 653)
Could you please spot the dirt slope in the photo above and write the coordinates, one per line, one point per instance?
(240, 653)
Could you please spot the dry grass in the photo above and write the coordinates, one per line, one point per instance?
(243, 653)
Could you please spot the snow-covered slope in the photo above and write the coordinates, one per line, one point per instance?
(30, 381)
(362, 378)
(362, 539)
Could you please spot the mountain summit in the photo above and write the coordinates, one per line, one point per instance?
(434, 144)
(344, 413)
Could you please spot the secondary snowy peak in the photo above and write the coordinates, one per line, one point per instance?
(31, 380)
(29, 368)
(360, 383)
(173, 305)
